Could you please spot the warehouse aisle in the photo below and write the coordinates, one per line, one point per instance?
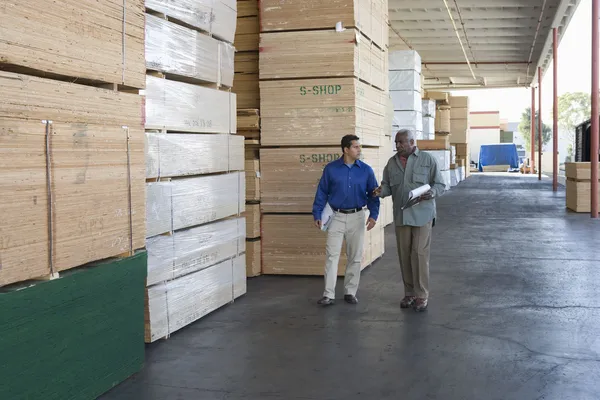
(514, 314)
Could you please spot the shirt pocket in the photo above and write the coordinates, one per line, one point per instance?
(396, 178)
(421, 175)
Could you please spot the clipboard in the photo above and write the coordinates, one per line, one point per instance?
(414, 196)
(326, 217)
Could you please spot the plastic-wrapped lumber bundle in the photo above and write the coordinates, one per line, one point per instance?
(183, 203)
(177, 303)
(75, 337)
(173, 154)
(216, 17)
(178, 50)
(188, 108)
(190, 250)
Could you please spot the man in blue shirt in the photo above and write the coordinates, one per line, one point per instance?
(347, 186)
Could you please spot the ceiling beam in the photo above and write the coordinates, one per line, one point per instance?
(477, 41)
(468, 15)
(469, 25)
(435, 4)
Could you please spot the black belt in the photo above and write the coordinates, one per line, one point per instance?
(347, 210)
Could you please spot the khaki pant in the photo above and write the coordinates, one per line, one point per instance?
(352, 228)
(413, 252)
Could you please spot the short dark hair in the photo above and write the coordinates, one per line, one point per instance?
(347, 141)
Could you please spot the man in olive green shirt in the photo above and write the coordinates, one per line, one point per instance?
(405, 171)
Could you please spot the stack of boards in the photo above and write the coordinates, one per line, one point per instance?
(72, 232)
(579, 186)
(307, 104)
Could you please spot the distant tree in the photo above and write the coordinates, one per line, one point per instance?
(525, 130)
(573, 109)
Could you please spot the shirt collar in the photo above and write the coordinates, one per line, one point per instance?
(358, 163)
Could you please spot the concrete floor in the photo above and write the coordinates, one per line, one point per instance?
(514, 314)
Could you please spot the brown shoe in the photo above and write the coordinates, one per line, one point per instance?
(420, 305)
(407, 301)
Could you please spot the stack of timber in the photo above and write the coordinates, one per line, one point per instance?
(308, 103)
(246, 87)
(71, 196)
(73, 337)
(442, 114)
(195, 184)
(405, 90)
(460, 131)
(579, 186)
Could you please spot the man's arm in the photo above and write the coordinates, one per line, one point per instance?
(385, 188)
(372, 200)
(321, 196)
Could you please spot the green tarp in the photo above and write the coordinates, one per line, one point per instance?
(75, 337)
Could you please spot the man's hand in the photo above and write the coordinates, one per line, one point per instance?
(427, 196)
(377, 192)
(371, 223)
(318, 223)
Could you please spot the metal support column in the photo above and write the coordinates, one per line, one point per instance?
(594, 128)
(540, 143)
(555, 112)
(532, 163)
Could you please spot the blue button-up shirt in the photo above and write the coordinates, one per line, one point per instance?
(346, 187)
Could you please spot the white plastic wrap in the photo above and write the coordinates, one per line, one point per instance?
(454, 177)
(239, 276)
(452, 154)
(405, 60)
(428, 126)
(177, 303)
(428, 108)
(405, 80)
(406, 100)
(462, 173)
(194, 201)
(442, 157)
(184, 107)
(173, 154)
(217, 17)
(408, 120)
(193, 249)
(447, 178)
(175, 49)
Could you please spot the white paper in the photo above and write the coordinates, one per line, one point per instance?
(326, 217)
(414, 195)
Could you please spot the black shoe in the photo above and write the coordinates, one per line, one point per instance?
(350, 299)
(326, 301)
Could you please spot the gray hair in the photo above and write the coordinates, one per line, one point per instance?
(410, 134)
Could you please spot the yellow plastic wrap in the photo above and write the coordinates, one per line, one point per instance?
(178, 50)
(178, 106)
(216, 17)
(193, 249)
(172, 154)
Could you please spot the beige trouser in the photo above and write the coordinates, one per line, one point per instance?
(352, 228)
(413, 252)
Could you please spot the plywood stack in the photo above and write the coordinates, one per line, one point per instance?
(71, 180)
(195, 165)
(579, 186)
(429, 109)
(311, 101)
(246, 87)
(459, 129)
(405, 90)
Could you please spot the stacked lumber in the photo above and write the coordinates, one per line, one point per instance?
(460, 130)
(579, 186)
(405, 91)
(429, 119)
(195, 180)
(71, 196)
(323, 74)
(87, 324)
(246, 87)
